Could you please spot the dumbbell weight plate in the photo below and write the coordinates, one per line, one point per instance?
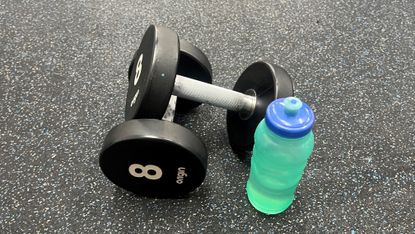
(268, 82)
(153, 74)
(154, 158)
(192, 62)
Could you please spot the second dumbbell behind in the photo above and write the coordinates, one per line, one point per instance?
(154, 79)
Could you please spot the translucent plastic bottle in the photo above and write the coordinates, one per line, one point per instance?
(283, 143)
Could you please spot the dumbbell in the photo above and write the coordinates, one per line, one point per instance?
(154, 79)
(158, 158)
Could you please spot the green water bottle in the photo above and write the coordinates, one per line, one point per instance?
(283, 143)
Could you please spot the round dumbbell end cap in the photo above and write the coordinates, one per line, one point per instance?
(152, 74)
(268, 82)
(154, 158)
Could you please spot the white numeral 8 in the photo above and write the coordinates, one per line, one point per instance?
(137, 77)
(157, 172)
(138, 68)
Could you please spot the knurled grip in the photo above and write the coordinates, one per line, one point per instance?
(217, 96)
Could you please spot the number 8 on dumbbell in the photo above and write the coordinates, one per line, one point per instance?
(145, 171)
(137, 76)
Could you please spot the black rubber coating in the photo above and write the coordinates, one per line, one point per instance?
(194, 64)
(176, 151)
(149, 91)
(269, 82)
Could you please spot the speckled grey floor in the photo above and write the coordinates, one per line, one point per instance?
(63, 80)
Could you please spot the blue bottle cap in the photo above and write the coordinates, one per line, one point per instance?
(289, 117)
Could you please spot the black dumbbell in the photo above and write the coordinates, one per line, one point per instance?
(154, 79)
(153, 157)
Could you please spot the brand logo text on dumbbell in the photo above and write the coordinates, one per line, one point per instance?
(138, 68)
(151, 172)
(181, 173)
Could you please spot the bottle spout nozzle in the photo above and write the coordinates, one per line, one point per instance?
(292, 105)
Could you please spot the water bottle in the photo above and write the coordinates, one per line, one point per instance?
(283, 143)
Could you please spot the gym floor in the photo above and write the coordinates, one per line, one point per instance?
(63, 86)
